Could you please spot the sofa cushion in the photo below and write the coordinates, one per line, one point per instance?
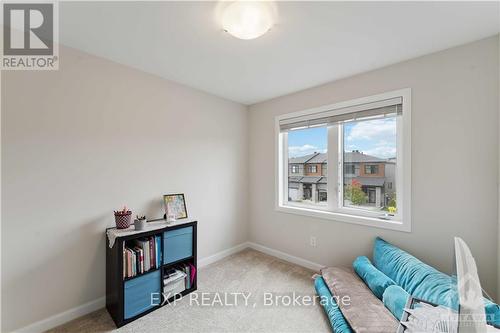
(361, 309)
(374, 279)
(492, 313)
(421, 280)
(417, 278)
(332, 310)
(395, 299)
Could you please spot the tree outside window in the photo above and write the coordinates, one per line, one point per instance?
(354, 193)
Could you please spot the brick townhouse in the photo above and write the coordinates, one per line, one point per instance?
(307, 177)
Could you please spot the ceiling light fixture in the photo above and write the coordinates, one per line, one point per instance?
(248, 19)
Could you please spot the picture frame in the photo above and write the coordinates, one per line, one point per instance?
(411, 304)
(175, 206)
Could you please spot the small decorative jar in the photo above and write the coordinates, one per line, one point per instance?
(140, 223)
(170, 218)
(123, 218)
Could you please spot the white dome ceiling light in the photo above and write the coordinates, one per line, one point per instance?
(248, 19)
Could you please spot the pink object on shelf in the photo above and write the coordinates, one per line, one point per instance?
(123, 219)
(193, 273)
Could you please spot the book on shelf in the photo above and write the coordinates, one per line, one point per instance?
(133, 260)
(178, 278)
(189, 272)
(140, 259)
(151, 253)
(174, 282)
(141, 255)
(173, 276)
(159, 254)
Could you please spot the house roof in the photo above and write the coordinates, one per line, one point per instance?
(319, 158)
(367, 181)
(308, 179)
(301, 159)
(351, 156)
(356, 156)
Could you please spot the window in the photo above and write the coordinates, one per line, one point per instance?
(373, 169)
(295, 169)
(306, 148)
(349, 168)
(312, 169)
(366, 142)
(362, 147)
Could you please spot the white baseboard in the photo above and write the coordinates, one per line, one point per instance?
(63, 317)
(221, 255)
(66, 316)
(261, 248)
(82, 310)
(285, 256)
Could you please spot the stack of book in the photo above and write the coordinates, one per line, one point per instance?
(178, 279)
(174, 282)
(141, 255)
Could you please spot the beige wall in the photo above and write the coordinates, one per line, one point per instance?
(498, 243)
(455, 162)
(95, 135)
(82, 141)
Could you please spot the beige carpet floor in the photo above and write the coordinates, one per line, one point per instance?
(250, 272)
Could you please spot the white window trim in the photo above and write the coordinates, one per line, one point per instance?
(402, 222)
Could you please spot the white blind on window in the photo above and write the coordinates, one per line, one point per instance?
(388, 107)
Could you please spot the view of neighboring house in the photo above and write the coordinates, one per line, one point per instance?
(307, 177)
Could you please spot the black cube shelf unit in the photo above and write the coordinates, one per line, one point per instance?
(128, 299)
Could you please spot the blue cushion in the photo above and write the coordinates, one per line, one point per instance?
(337, 320)
(418, 279)
(421, 280)
(395, 299)
(492, 313)
(375, 279)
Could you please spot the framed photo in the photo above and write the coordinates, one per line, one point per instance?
(418, 315)
(175, 206)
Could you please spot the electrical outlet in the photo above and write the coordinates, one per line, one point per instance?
(312, 241)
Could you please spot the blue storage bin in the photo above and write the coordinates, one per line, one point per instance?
(138, 294)
(177, 244)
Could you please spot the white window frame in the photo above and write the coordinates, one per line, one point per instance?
(334, 210)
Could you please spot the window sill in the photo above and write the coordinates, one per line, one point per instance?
(347, 218)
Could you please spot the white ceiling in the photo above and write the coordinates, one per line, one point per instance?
(312, 43)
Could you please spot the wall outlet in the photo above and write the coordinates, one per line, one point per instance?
(312, 241)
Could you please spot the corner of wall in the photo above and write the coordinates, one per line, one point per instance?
(498, 181)
(248, 194)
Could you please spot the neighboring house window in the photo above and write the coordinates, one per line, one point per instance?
(349, 169)
(372, 131)
(373, 169)
(295, 169)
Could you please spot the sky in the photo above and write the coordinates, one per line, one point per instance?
(372, 137)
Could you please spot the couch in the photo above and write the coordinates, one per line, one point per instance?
(378, 291)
